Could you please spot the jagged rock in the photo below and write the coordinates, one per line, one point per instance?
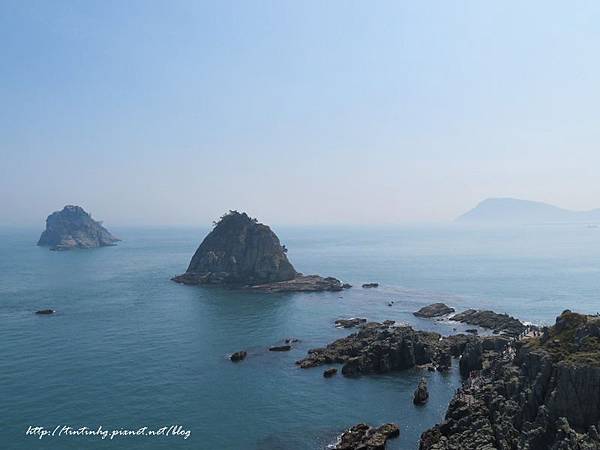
(365, 437)
(45, 311)
(421, 394)
(291, 340)
(370, 285)
(238, 356)
(74, 228)
(530, 394)
(434, 310)
(378, 348)
(280, 348)
(349, 323)
(328, 373)
(502, 323)
(346, 286)
(242, 252)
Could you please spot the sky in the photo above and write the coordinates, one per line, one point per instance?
(298, 112)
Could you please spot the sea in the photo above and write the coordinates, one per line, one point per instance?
(130, 350)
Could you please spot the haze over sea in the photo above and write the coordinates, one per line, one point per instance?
(128, 348)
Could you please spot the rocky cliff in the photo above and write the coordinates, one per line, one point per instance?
(74, 228)
(540, 393)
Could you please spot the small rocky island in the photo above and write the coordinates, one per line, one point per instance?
(74, 228)
(434, 310)
(241, 252)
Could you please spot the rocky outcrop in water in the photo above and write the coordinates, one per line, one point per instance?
(45, 311)
(350, 323)
(541, 393)
(365, 437)
(74, 228)
(242, 252)
(328, 373)
(500, 323)
(381, 348)
(238, 356)
(421, 393)
(434, 310)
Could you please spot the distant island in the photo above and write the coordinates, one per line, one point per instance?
(74, 228)
(242, 252)
(512, 210)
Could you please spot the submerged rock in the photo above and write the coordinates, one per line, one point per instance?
(434, 310)
(238, 356)
(531, 394)
(365, 437)
(45, 311)
(74, 228)
(330, 372)
(370, 285)
(280, 348)
(421, 394)
(241, 252)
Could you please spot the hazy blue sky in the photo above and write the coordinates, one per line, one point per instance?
(173, 112)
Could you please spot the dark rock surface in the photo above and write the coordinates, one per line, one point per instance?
(45, 311)
(74, 228)
(501, 323)
(540, 393)
(365, 437)
(280, 348)
(328, 373)
(370, 285)
(238, 356)
(421, 394)
(434, 310)
(349, 323)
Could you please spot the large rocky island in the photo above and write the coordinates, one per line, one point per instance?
(241, 252)
(74, 228)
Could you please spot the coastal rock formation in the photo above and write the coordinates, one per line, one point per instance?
(241, 252)
(538, 393)
(365, 437)
(238, 356)
(379, 348)
(500, 323)
(350, 323)
(434, 310)
(421, 394)
(74, 228)
(45, 311)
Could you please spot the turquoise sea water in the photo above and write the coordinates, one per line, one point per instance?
(128, 348)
